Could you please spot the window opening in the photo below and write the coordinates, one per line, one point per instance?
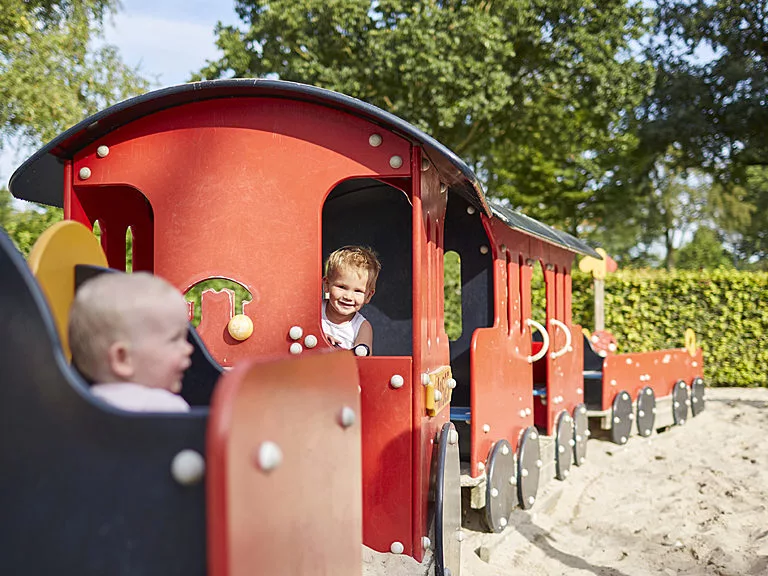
(452, 293)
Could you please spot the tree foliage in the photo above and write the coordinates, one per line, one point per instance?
(24, 226)
(54, 69)
(532, 94)
(707, 114)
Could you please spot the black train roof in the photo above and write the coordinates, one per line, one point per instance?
(41, 177)
(518, 221)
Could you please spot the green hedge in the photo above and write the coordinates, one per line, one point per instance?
(650, 310)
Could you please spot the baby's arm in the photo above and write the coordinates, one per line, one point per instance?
(365, 335)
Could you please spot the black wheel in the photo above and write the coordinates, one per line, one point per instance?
(448, 533)
(680, 402)
(581, 434)
(622, 418)
(500, 497)
(646, 411)
(528, 467)
(564, 444)
(697, 396)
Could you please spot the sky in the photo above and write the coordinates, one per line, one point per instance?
(166, 39)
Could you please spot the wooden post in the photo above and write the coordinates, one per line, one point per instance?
(599, 284)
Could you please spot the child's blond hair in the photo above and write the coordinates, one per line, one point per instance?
(358, 257)
(102, 311)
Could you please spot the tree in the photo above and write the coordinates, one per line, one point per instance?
(707, 107)
(530, 94)
(704, 251)
(24, 226)
(51, 73)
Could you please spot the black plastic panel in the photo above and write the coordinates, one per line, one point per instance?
(564, 445)
(85, 489)
(528, 467)
(580, 433)
(698, 402)
(680, 403)
(500, 493)
(646, 411)
(622, 416)
(448, 505)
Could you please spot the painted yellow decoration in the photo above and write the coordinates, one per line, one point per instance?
(598, 268)
(52, 261)
(690, 341)
(438, 381)
(240, 327)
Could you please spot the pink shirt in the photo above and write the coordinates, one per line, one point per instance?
(139, 398)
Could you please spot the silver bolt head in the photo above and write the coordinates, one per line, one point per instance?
(102, 151)
(494, 492)
(395, 162)
(397, 548)
(310, 341)
(84, 173)
(295, 348)
(396, 381)
(453, 437)
(375, 140)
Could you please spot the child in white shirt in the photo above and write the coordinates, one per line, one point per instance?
(349, 283)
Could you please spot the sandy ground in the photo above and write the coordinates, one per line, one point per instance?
(691, 500)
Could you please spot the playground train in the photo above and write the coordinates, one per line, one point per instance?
(307, 452)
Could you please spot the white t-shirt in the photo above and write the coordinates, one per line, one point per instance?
(346, 332)
(139, 398)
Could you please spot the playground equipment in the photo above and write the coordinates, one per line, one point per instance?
(257, 181)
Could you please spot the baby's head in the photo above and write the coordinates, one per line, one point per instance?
(130, 328)
(358, 267)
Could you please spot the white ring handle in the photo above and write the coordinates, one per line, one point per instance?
(544, 345)
(567, 347)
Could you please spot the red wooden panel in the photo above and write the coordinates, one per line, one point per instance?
(659, 369)
(502, 384)
(387, 452)
(430, 342)
(237, 187)
(303, 516)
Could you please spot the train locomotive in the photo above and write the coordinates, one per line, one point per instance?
(256, 182)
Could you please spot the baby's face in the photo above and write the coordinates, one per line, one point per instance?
(348, 291)
(159, 347)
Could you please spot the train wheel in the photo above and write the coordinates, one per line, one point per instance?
(564, 444)
(646, 411)
(581, 433)
(500, 497)
(528, 467)
(680, 402)
(448, 534)
(622, 418)
(697, 396)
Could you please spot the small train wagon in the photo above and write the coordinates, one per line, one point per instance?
(256, 182)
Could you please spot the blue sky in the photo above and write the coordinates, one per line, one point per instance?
(166, 39)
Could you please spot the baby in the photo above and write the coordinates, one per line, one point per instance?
(128, 335)
(349, 283)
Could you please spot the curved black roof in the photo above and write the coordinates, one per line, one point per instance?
(519, 221)
(41, 177)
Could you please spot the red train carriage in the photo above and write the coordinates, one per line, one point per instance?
(257, 181)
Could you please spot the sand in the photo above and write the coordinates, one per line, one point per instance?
(691, 500)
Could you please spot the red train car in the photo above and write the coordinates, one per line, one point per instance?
(257, 181)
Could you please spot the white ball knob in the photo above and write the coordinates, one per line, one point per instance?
(188, 467)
